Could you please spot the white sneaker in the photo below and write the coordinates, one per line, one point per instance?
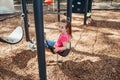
(31, 46)
(33, 41)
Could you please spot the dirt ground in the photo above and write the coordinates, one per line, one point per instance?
(95, 53)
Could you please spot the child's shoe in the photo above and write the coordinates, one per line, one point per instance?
(31, 46)
(34, 42)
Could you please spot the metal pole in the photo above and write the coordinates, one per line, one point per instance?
(69, 9)
(58, 5)
(85, 13)
(53, 5)
(25, 20)
(90, 6)
(38, 15)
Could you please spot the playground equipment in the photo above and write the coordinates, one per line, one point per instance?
(78, 6)
(6, 7)
(83, 7)
(16, 36)
(67, 51)
(48, 2)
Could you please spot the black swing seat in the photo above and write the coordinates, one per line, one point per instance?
(64, 53)
(15, 37)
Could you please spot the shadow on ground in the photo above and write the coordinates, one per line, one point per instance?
(22, 58)
(9, 65)
(107, 68)
(10, 75)
(105, 24)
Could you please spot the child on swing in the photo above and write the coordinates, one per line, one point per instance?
(64, 37)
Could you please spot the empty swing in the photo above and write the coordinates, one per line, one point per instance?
(16, 35)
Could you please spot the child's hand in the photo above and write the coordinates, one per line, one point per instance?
(56, 50)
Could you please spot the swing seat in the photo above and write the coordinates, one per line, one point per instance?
(63, 53)
(15, 37)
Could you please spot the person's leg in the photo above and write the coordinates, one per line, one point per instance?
(31, 46)
(49, 43)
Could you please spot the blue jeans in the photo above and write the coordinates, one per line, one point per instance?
(49, 43)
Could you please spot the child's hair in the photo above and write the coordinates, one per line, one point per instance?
(67, 26)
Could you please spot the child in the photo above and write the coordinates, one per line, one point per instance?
(61, 44)
(65, 35)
